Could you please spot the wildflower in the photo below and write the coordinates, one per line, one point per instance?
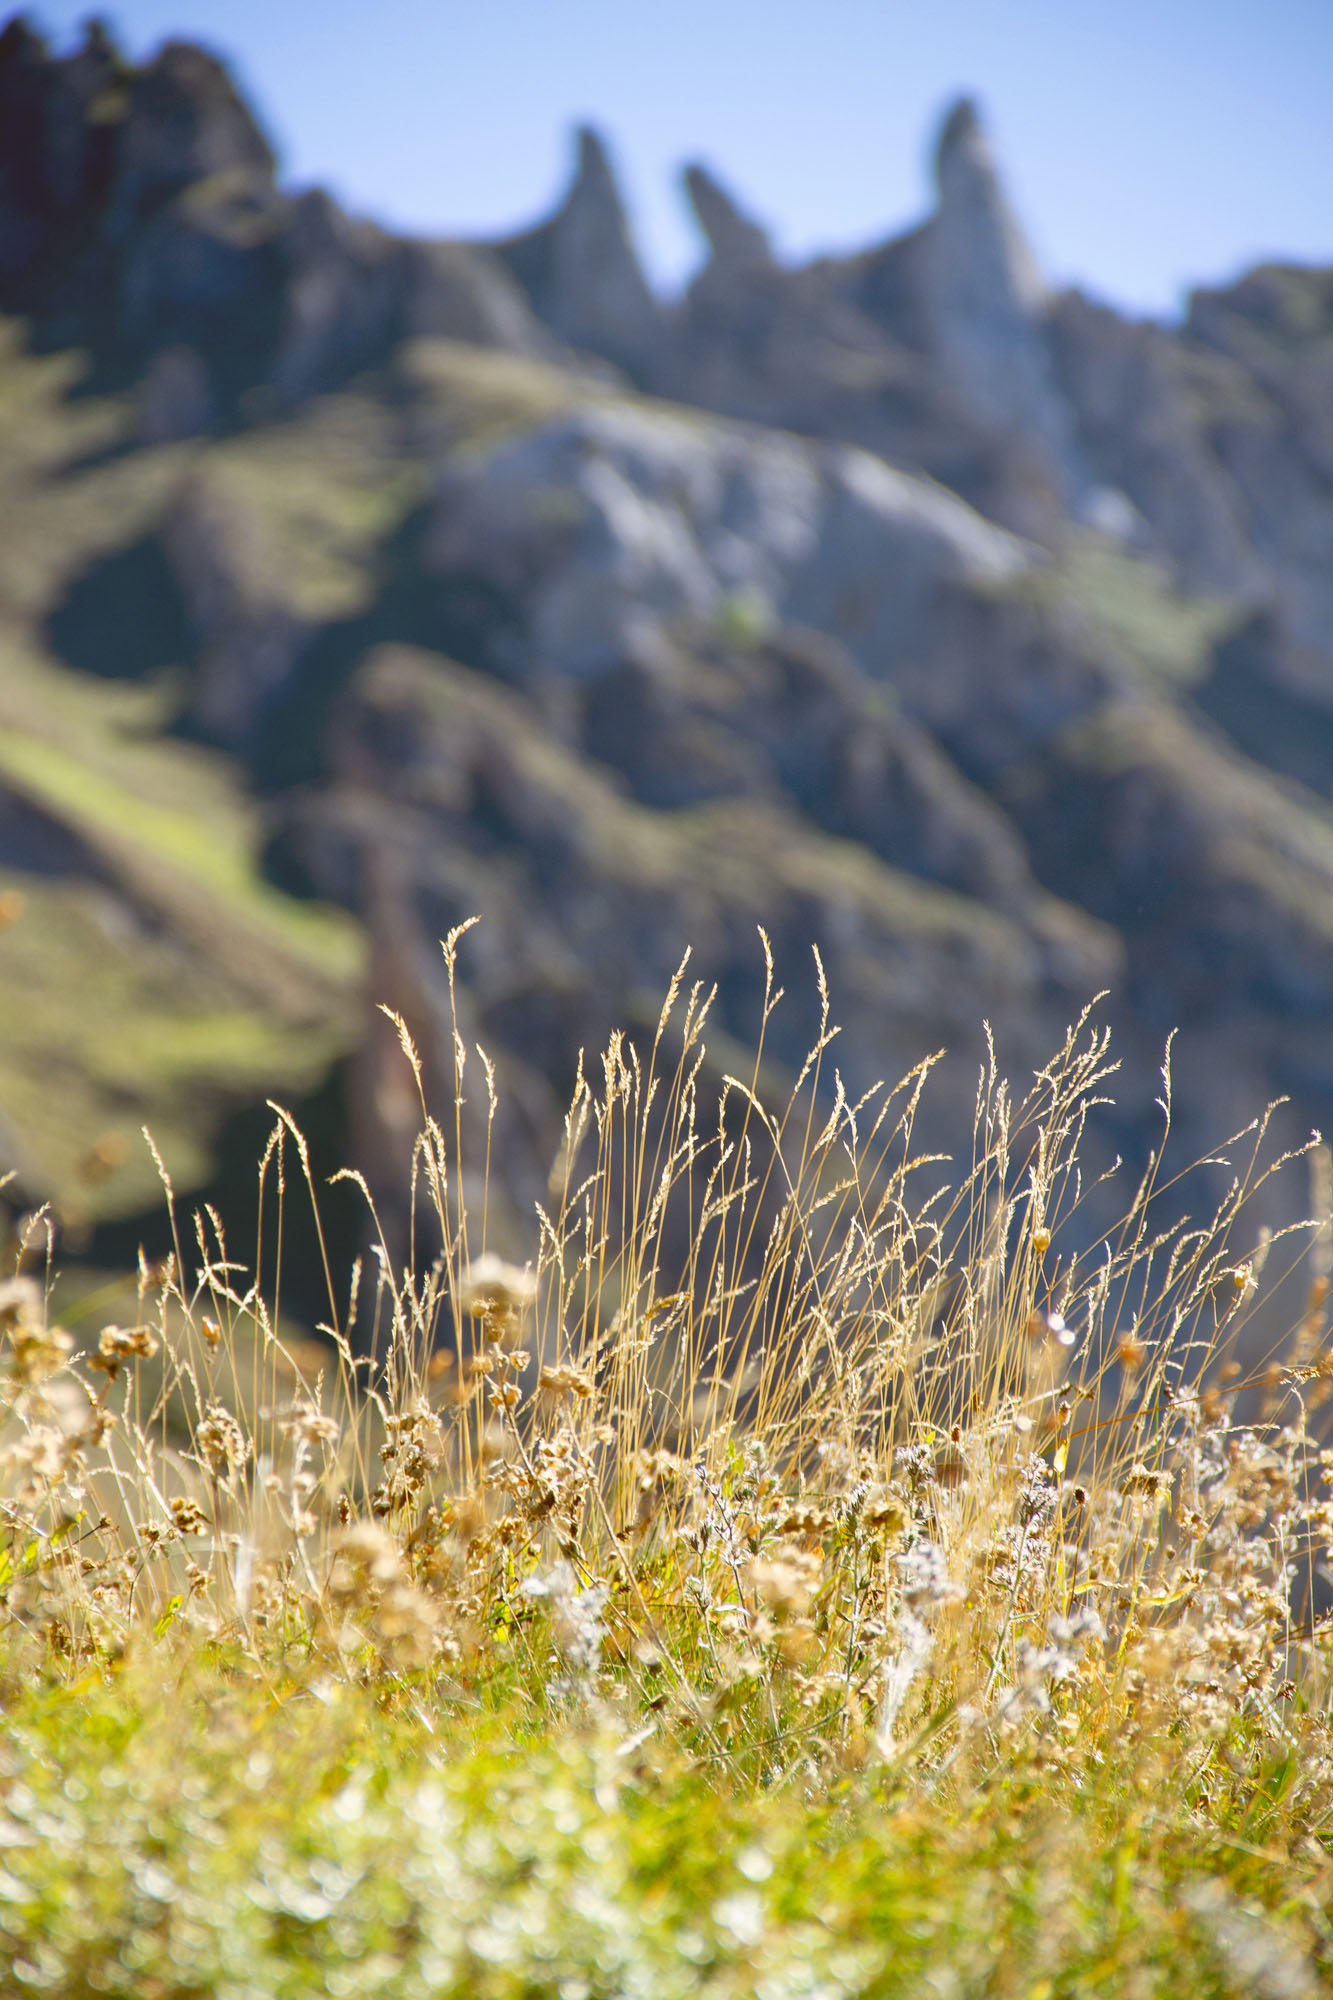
(565, 1381)
(118, 1344)
(785, 1581)
(1144, 1479)
(189, 1516)
(576, 1613)
(39, 1350)
(925, 1577)
(221, 1443)
(496, 1293)
(306, 1424)
(1036, 1496)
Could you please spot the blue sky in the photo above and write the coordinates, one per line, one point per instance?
(1147, 145)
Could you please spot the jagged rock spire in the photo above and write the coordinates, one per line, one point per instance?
(735, 241)
(581, 270)
(984, 297)
(975, 215)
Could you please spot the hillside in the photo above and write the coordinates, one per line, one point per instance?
(352, 585)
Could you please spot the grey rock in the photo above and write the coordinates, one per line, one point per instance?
(208, 270)
(448, 790)
(460, 291)
(343, 298)
(608, 525)
(581, 273)
(176, 397)
(738, 247)
(183, 122)
(248, 641)
(984, 301)
(1269, 420)
(1137, 422)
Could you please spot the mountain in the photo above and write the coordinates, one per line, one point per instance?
(351, 585)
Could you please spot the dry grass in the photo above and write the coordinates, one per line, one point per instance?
(790, 1475)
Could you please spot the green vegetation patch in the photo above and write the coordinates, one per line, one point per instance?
(162, 980)
(1132, 603)
(105, 1027)
(304, 505)
(182, 1827)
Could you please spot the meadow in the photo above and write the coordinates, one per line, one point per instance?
(812, 1570)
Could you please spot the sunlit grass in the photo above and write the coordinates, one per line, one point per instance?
(815, 1570)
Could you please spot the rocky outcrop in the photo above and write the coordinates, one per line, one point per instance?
(582, 274)
(248, 638)
(1269, 420)
(738, 248)
(607, 526)
(450, 786)
(1136, 412)
(139, 212)
(984, 304)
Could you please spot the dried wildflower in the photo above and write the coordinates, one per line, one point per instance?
(1041, 1241)
(1146, 1480)
(576, 1613)
(189, 1516)
(564, 1381)
(925, 1580)
(364, 1551)
(1036, 1495)
(39, 1351)
(118, 1344)
(38, 1460)
(20, 1303)
(816, 1522)
(306, 1424)
(504, 1396)
(221, 1444)
(496, 1293)
(210, 1329)
(785, 1581)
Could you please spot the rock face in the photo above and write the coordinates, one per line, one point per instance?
(985, 303)
(582, 274)
(610, 523)
(138, 211)
(970, 631)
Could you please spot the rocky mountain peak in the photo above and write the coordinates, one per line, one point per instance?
(985, 302)
(973, 207)
(734, 240)
(581, 271)
(184, 122)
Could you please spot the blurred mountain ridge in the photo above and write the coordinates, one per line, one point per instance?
(971, 631)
